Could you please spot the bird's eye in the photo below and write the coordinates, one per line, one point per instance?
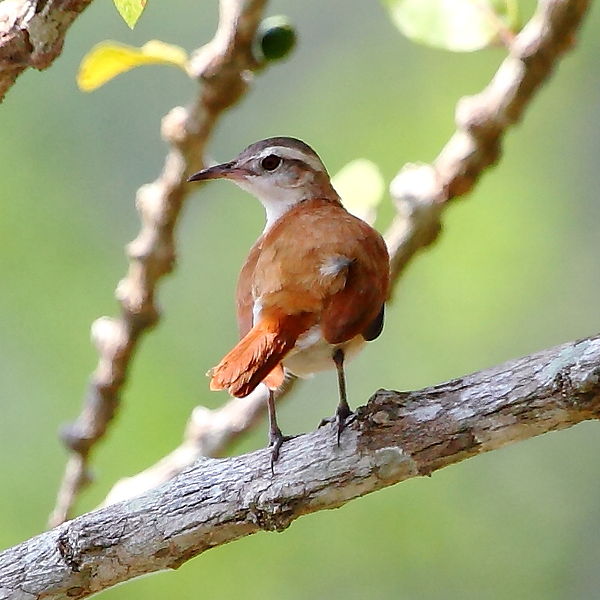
(270, 163)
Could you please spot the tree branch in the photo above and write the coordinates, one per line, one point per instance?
(224, 66)
(420, 192)
(32, 34)
(396, 436)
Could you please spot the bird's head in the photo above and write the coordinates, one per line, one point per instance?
(279, 171)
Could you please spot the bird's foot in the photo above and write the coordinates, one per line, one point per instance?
(276, 440)
(343, 417)
(326, 421)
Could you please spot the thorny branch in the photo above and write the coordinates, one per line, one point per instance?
(421, 192)
(396, 436)
(224, 66)
(32, 34)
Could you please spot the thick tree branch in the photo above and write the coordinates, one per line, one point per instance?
(396, 436)
(224, 66)
(32, 34)
(421, 192)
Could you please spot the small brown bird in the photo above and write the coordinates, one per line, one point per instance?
(313, 287)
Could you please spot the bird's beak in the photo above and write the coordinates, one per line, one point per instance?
(225, 171)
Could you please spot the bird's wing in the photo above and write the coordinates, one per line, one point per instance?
(324, 261)
(355, 309)
(375, 327)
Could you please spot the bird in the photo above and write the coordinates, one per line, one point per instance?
(313, 287)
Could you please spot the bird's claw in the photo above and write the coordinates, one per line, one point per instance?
(276, 440)
(342, 418)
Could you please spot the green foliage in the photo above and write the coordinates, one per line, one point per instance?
(130, 10)
(275, 38)
(457, 25)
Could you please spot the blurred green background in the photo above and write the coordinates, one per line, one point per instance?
(516, 270)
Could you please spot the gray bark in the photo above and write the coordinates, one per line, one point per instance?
(396, 436)
(32, 34)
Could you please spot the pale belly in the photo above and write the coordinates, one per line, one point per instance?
(313, 354)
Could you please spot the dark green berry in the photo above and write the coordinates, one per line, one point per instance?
(275, 38)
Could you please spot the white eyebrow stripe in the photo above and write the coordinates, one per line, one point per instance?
(291, 153)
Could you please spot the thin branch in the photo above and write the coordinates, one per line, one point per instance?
(396, 436)
(224, 66)
(32, 34)
(421, 192)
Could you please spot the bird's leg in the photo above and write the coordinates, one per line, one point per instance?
(276, 438)
(342, 411)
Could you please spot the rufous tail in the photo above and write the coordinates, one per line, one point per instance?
(258, 355)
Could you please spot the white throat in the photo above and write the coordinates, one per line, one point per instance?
(276, 200)
(275, 210)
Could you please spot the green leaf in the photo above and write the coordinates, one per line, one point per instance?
(108, 59)
(360, 186)
(130, 10)
(457, 25)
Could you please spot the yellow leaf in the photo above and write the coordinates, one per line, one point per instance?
(360, 185)
(108, 59)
